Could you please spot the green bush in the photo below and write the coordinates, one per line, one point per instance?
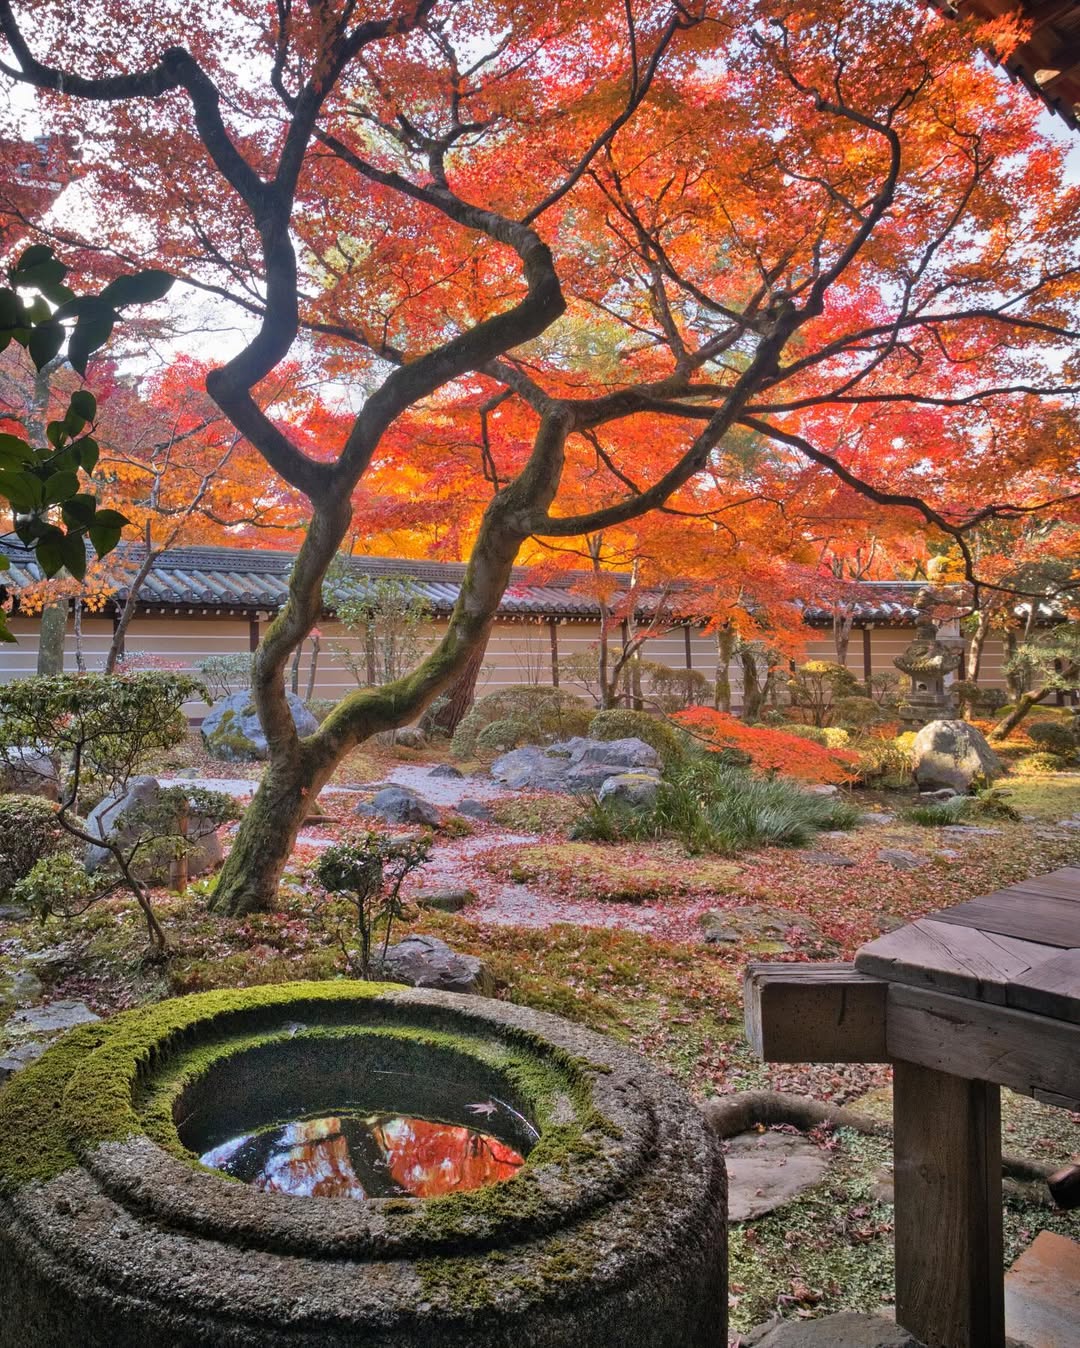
(672, 689)
(29, 830)
(57, 884)
(548, 713)
(817, 686)
(1033, 765)
(1054, 737)
(320, 707)
(619, 724)
(499, 736)
(857, 712)
(884, 763)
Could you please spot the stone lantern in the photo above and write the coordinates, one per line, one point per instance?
(926, 662)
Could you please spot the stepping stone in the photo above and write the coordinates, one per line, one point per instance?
(447, 770)
(827, 859)
(475, 809)
(52, 1018)
(1042, 1293)
(846, 1330)
(446, 900)
(761, 928)
(900, 859)
(19, 1057)
(767, 1170)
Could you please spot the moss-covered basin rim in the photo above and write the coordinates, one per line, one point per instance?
(103, 1098)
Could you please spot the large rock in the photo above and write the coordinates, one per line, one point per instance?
(577, 766)
(427, 962)
(231, 729)
(401, 805)
(531, 769)
(952, 754)
(26, 772)
(118, 818)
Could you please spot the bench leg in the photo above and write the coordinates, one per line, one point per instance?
(949, 1255)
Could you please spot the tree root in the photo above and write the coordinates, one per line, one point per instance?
(728, 1115)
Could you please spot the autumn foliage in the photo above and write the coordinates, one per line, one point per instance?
(769, 750)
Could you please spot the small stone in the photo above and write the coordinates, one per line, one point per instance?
(427, 962)
(949, 853)
(188, 774)
(900, 859)
(402, 805)
(823, 789)
(959, 832)
(946, 793)
(820, 858)
(19, 1057)
(446, 900)
(53, 1017)
(475, 809)
(447, 770)
(876, 818)
(26, 987)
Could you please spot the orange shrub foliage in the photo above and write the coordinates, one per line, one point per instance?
(770, 750)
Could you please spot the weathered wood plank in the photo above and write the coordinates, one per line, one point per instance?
(1064, 883)
(980, 1041)
(949, 1255)
(814, 1013)
(1049, 989)
(959, 960)
(1032, 917)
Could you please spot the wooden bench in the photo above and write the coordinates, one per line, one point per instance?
(970, 999)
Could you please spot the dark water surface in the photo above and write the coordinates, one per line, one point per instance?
(455, 1144)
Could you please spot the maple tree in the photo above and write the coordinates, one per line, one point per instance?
(627, 234)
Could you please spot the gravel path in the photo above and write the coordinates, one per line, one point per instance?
(453, 863)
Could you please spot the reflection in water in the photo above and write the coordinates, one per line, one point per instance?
(366, 1156)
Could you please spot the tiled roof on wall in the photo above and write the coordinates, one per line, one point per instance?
(252, 580)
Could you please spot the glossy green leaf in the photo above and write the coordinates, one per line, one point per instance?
(60, 487)
(141, 287)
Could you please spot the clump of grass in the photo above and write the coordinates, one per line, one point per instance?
(989, 804)
(714, 807)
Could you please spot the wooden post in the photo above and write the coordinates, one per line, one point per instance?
(553, 634)
(949, 1254)
(253, 634)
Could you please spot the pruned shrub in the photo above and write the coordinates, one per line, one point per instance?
(817, 686)
(831, 736)
(501, 735)
(1054, 737)
(320, 707)
(671, 689)
(225, 674)
(619, 724)
(547, 713)
(29, 830)
(857, 712)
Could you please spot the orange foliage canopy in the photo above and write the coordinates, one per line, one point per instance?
(773, 751)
